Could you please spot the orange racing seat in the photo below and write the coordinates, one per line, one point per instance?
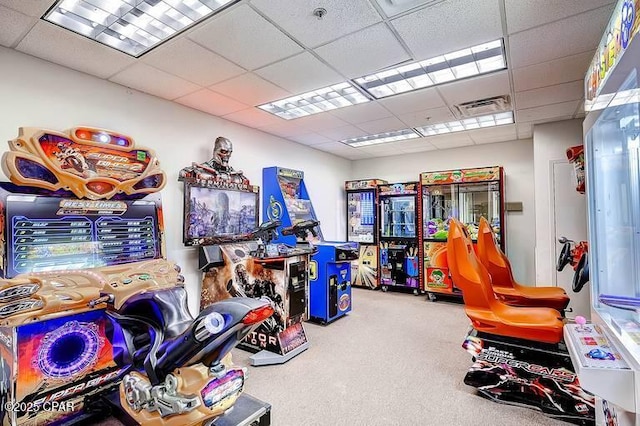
(504, 285)
(486, 312)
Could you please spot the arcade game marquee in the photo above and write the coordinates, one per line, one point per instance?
(286, 199)
(606, 352)
(92, 317)
(362, 225)
(466, 195)
(237, 257)
(398, 235)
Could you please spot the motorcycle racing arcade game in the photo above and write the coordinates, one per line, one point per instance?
(362, 228)
(90, 311)
(466, 195)
(286, 199)
(612, 148)
(238, 258)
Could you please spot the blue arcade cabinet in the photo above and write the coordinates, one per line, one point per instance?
(285, 198)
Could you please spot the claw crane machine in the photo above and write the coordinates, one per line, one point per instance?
(466, 195)
(606, 352)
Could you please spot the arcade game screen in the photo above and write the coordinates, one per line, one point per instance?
(50, 233)
(299, 209)
(214, 212)
(361, 221)
(398, 218)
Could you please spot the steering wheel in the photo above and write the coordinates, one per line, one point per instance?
(565, 257)
(581, 276)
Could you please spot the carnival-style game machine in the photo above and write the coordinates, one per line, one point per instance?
(92, 317)
(398, 237)
(606, 352)
(362, 228)
(466, 195)
(286, 199)
(238, 257)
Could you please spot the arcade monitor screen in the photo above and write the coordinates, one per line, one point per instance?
(212, 213)
(51, 233)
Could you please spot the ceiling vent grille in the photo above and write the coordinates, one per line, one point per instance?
(483, 106)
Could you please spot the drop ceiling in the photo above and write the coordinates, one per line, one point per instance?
(259, 51)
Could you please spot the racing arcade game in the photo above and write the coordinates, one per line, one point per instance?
(606, 352)
(362, 228)
(466, 195)
(286, 199)
(398, 236)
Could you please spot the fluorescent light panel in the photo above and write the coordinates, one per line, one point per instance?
(491, 120)
(131, 26)
(477, 60)
(398, 135)
(320, 100)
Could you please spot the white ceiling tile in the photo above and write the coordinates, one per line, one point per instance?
(453, 140)
(33, 8)
(334, 147)
(311, 139)
(547, 112)
(211, 102)
(476, 88)
(412, 144)
(361, 113)
(415, 101)
(300, 73)
(450, 26)
(428, 116)
(567, 37)
(394, 7)
(525, 130)
(383, 125)
(364, 52)
(422, 148)
(246, 38)
(13, 25)
(522, 15)
(494, 134)
(250, 89)
(355, 155)
(320, 122)
(60, 46)
(558, 71)
(342, 133)
(296, 17)
(148, 79)
(286, 129)
(184, 58)
(550, 95)
(253, 117)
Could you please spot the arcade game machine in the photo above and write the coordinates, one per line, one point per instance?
(466, 195)
(91, 314)
(398, 234)
(286, 199)
(237, 257)
(606, 352)
(362, 228)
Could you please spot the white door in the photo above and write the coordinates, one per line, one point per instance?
(569, 220)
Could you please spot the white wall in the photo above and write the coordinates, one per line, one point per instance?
(515, 157)
(36, 93)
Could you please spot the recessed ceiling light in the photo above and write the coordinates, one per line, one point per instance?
(483, 121)
(473, 61)
(397, 135)
(132, 26)
(320, 100)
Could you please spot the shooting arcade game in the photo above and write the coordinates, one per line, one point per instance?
(398, 236)
(466, 195)
(286, 199)
(362, 228)
(238, 259)
(611, 148)
(88, 300)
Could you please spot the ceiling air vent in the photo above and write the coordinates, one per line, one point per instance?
(483, 106)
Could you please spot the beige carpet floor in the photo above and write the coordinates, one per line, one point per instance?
(395, 359)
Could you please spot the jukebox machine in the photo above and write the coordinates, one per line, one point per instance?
(362, 228)
(466, 195)
(238, 258)
(606, 352)
(286, 199)
(398, 237)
